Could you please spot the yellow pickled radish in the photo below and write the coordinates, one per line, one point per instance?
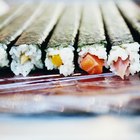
(56, 60)
(24, 58)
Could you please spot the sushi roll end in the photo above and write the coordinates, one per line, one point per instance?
(60, 58)
(92, 58)
(124, 59)
(25, 58)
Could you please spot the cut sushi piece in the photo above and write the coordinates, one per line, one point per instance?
(11, 32)
(92, 53)
(60, 49)
(26, 53)
(132, 16)
(123, 58)
(14, 12)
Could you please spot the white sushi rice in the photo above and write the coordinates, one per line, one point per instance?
(125, 51)
(96, 49)
(3, 56)
(67, 57)
(34, 54)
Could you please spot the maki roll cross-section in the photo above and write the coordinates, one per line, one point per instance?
(92, 53)
(123, 58)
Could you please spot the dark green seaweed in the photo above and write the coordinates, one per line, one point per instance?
(15, 28)
(131, 15)
(40, 29)
(67, 28)
(117, 30)
(92, 28)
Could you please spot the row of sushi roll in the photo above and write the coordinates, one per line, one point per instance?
(26, 53)
(100, 30)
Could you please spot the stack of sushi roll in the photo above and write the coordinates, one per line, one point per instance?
(14, 29)
(92, 41)
(123, 58)
(26, 53)
(60, 48)
(132, 16)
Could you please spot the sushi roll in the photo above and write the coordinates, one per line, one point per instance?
(15, 28)
(60, 48)
(132, 16)
(14, 12)
(123, 58)
(26, 52)
(92, 53)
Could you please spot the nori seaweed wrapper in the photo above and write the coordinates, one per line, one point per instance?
(91, 28)
(40, 29)
(116, 27)
(15, 28)
(66, 30)
(131, 15)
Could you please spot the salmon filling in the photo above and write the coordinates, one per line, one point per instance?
(92, 64)
(121, 67)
